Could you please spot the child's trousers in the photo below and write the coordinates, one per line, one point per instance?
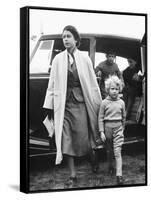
(114, 141)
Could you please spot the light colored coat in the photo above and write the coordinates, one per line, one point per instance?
(57, 88)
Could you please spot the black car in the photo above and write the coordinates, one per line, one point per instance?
(95, 45)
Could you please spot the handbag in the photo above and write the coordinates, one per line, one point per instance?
(49, 124)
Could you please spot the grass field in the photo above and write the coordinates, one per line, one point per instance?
(46, 176)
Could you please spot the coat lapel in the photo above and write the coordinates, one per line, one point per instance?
(59, 116)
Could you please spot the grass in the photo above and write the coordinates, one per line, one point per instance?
(54, 178)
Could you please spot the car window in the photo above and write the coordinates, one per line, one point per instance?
(120, 61)
(41, 59)
(57, 48)
(103, 44)
(84, 46)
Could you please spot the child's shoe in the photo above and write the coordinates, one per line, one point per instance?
(71, 181)
(120, 180)
(95, 168)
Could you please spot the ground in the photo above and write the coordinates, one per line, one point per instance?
(46, 176)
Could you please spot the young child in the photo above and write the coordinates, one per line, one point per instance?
(111, 124)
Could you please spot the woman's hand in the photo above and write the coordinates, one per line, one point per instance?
(102, 136)
(98, 141)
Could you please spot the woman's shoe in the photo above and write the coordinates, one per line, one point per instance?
(95, 168)
(71, 181)
(120, 180)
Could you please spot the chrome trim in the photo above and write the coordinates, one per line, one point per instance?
(43, 154)
(44, 143)
(38, 77)
(36, 148)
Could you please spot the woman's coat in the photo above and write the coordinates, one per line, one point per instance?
(56, 94)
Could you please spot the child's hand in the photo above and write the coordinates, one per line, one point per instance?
(98, 141)
(99, 73)
(102, 135)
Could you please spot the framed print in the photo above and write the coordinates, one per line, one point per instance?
(83, 83)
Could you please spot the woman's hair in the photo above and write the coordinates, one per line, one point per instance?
(75, 33)
(113, 79)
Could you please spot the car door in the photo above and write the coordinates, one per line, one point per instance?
(39, 72)
(144, 71)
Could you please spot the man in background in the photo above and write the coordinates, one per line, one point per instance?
(105, 69)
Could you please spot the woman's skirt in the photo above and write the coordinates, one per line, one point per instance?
(75, 137)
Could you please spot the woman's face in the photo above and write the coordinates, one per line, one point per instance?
(68, 40)
(131, 63)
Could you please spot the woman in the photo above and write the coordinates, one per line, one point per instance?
(73, 94)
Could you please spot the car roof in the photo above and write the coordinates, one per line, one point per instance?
(127, 47)
(89, 35)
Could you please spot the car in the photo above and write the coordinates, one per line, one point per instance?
(94, 45)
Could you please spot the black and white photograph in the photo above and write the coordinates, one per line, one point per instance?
(83, 107)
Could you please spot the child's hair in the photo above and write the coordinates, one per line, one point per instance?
(111, 51)
(113, 79)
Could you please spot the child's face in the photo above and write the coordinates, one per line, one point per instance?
(110, 58)
(114, 91)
